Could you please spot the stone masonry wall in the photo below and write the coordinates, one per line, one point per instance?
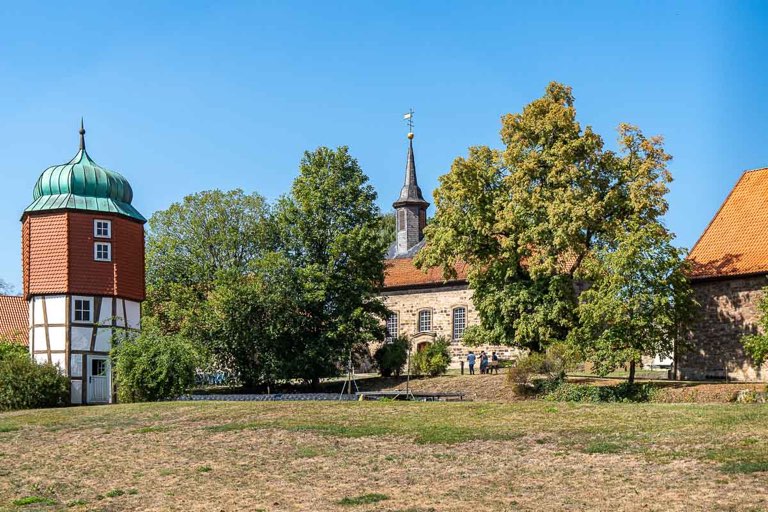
(441, 300)
(728, 311)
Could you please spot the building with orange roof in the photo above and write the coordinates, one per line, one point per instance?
(14, 318)
(424, 304)
(729, 271)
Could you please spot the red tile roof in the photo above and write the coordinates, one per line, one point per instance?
(14, 317)
(736, 240)
(402, 273)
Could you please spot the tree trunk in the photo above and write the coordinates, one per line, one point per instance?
(631, 378)
(315, 383)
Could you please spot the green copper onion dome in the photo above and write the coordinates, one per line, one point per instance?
(82, 184)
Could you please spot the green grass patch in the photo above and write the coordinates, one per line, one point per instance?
(8, 428)
(744, 467)
(76, 503)
(114, 493)
(365, 499)
(152, 428)
(204, 469)
(33, 500)
(603, 447)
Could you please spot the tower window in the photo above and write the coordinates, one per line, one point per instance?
(425, 320)
(459, 322)
(102, 228)
(82, 310)
(102, 251)
(392, 327)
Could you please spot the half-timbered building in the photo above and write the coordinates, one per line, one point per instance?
(82, 270)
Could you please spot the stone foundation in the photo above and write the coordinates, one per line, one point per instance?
(728, 312)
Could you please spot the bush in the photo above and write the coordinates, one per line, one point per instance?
(624, 392)
(25, 384)
(11, 349)
(536, 370)
(392, 356)
(434, 359)
(153, 366)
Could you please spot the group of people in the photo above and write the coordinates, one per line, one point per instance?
(486, 365)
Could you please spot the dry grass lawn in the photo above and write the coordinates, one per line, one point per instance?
(317, 456)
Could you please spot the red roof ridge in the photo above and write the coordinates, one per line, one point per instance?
(733, 242)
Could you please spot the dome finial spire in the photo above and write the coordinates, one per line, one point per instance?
(82, 135)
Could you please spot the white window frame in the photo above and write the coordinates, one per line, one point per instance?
(393, 318)
(98, 223)
(425, 323)
(81, 310)
(96, 246)
(455, 334)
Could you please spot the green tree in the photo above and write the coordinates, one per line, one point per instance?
(391, 356)
(252, 324)
(639, 302)
(756, 345)
(526, 218)
(329, 225)
(153, 366)
(190, 246)
(387, 230)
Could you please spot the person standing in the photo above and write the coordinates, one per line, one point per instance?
(494, 363)
(471, 362)
(483, 362)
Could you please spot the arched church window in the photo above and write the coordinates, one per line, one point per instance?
(425, 320)
(392, 327)
(459, 322)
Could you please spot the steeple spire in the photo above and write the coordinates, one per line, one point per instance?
(410, 207)
(411, 192)
(82, 135)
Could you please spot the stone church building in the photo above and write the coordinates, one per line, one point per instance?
(424, 305)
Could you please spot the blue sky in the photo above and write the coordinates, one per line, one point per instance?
(187, 96)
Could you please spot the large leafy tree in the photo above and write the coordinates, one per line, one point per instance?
(192, 246)
(329, 226)
(528, 217)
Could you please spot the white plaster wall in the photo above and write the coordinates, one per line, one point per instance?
(76, 365)
(39, 337)
(76, 396)
(105, 315)
(58, 338)
(120, 316)
(81, 338)
(134, 314)
(103, 339)
(56, 307)
(37, 305)
(60, 360)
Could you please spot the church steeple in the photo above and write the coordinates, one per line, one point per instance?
(410, 207)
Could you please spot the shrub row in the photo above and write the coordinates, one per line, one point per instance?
(624, 392)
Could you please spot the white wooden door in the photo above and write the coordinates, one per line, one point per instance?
(98, 380)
